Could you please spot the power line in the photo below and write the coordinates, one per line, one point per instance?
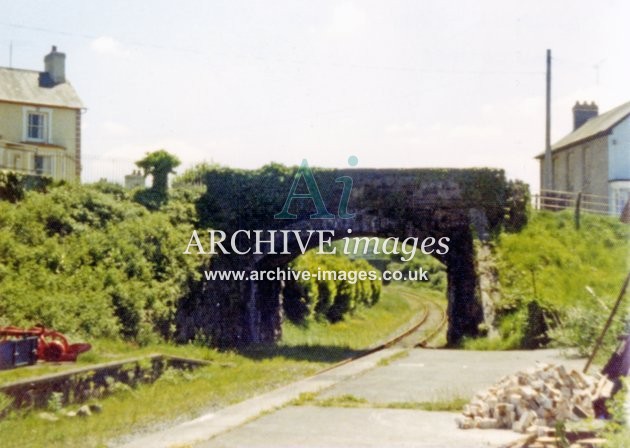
(411, 69)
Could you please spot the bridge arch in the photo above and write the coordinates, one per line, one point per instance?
(458, 204)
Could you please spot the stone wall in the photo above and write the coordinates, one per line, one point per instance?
(385, 203)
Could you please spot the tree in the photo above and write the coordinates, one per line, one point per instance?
(159, 164)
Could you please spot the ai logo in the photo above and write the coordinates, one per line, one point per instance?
(314, 195)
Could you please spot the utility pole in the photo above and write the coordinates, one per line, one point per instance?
(11, 54)
(547, 182)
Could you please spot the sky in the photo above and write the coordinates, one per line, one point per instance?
(395, 83)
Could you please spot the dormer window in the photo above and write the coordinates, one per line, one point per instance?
(37, 124)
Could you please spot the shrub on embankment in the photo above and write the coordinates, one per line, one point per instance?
(559, 283)
(88, 260)
(327, 298)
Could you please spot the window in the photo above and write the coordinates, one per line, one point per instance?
(43, 165)
(37, 124)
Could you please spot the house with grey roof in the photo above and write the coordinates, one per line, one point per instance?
(594, 158)
(40, 121)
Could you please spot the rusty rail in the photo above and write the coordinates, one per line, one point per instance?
(437, 329)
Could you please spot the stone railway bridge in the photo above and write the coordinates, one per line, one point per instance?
(460, 204)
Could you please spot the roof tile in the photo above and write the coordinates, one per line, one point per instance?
(595, 126)
(22, 86)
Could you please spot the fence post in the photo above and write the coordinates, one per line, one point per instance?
(599, 340)
(578, 202)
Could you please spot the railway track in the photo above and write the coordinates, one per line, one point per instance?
(441, 319)
(37, 391)
(433, 320)
(429, 321)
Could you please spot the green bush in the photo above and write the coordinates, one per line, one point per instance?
(436, 271)
(13, 186)
(88, 260)
(330, 299)
(580, 326)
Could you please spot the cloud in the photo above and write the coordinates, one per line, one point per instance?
(347, 18)
(440, 134)
(188, 151)
(477, 131)
(400, 128)
(108, 45)
(530, 107)
(113, 128)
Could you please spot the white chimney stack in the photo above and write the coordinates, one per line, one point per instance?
(55, 66)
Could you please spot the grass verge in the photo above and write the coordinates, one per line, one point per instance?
(174, 396)
(451, 404)
(368, 326)
(558, 282)
(232, 377)
(396, 356)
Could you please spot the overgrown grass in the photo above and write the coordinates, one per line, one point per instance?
(552, 261)
(174, 396)
(396, 356)
(451, 404)
(343, 401)
(618, 439)
(510, 342)
(232, 377)
(368, 326)
(447, 405)
(559, 282)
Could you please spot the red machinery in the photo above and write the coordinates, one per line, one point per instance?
(51, 345)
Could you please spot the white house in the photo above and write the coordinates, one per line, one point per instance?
(595, 157)
(40, 121)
